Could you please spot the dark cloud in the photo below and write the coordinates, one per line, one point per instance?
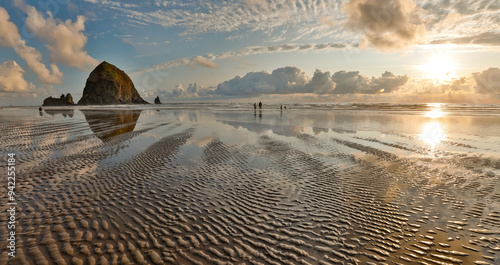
(386, 24)
(485, 38)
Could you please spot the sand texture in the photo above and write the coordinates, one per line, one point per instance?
(208, 186)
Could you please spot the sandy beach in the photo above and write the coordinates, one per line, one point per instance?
(222, 184)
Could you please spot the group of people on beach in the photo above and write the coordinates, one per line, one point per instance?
(255, 105)
(260, 106)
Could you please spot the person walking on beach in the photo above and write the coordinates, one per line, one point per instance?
(254, 106)
(281, 107)
(260, 104)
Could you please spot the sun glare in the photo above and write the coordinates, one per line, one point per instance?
(435, 112)
(441, 69)
(432, 133)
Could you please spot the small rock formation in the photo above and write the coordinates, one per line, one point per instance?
(61, 101)
(157, 100)
(108, 85)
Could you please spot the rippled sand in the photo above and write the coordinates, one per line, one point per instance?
(202, 186)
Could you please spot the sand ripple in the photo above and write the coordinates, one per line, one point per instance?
(171, 201)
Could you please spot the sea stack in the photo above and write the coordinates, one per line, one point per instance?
(108, 85)
(157, 100)
(61, 101)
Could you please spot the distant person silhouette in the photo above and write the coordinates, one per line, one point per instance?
(254, 106)
(260, 105)
(281, 107)
(40, 109)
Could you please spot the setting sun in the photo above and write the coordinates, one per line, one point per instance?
(441, 69)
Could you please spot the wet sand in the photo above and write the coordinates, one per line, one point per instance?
(205, 186)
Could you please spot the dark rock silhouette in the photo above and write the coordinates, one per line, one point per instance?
(110, 123)
(61, 101)
(108, 85)
(157, 100)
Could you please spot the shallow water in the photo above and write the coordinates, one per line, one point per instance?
(222, 183)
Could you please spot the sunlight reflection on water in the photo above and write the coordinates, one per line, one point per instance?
(432, 133)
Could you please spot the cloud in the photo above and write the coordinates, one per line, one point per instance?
(21, 4)
(12, 78)
(488, 81)
(485, 38)
(462, 85)
(206, 60)
(349, 82)
(387, 83)
(292, 80)
(193, 91)
(277, 18)
(293, 84)
(386, 24)
(10, 37)
(286, 80)
(354, 82)
(64, 40)
(321, 83)
(202, 62)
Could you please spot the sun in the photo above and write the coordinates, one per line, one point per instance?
(441, 69)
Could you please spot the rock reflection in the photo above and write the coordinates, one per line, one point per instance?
(107, 124)
(64, 112)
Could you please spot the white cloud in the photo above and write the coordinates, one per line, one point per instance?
(199, 60)
(321, 83)
(292, 83)
(206, 60)
(10, 37)
(386, 24)
(286, 80)
(21, 4)
(193, 91)
(12, 78)
(198, 17)
(484, 38)
(354, 82)
(292, 80)
(64, 40)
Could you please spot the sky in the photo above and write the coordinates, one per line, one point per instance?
(396, 51)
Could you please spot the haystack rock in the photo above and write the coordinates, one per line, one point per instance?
(61, 101)
(108, 85)
(157, 100)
